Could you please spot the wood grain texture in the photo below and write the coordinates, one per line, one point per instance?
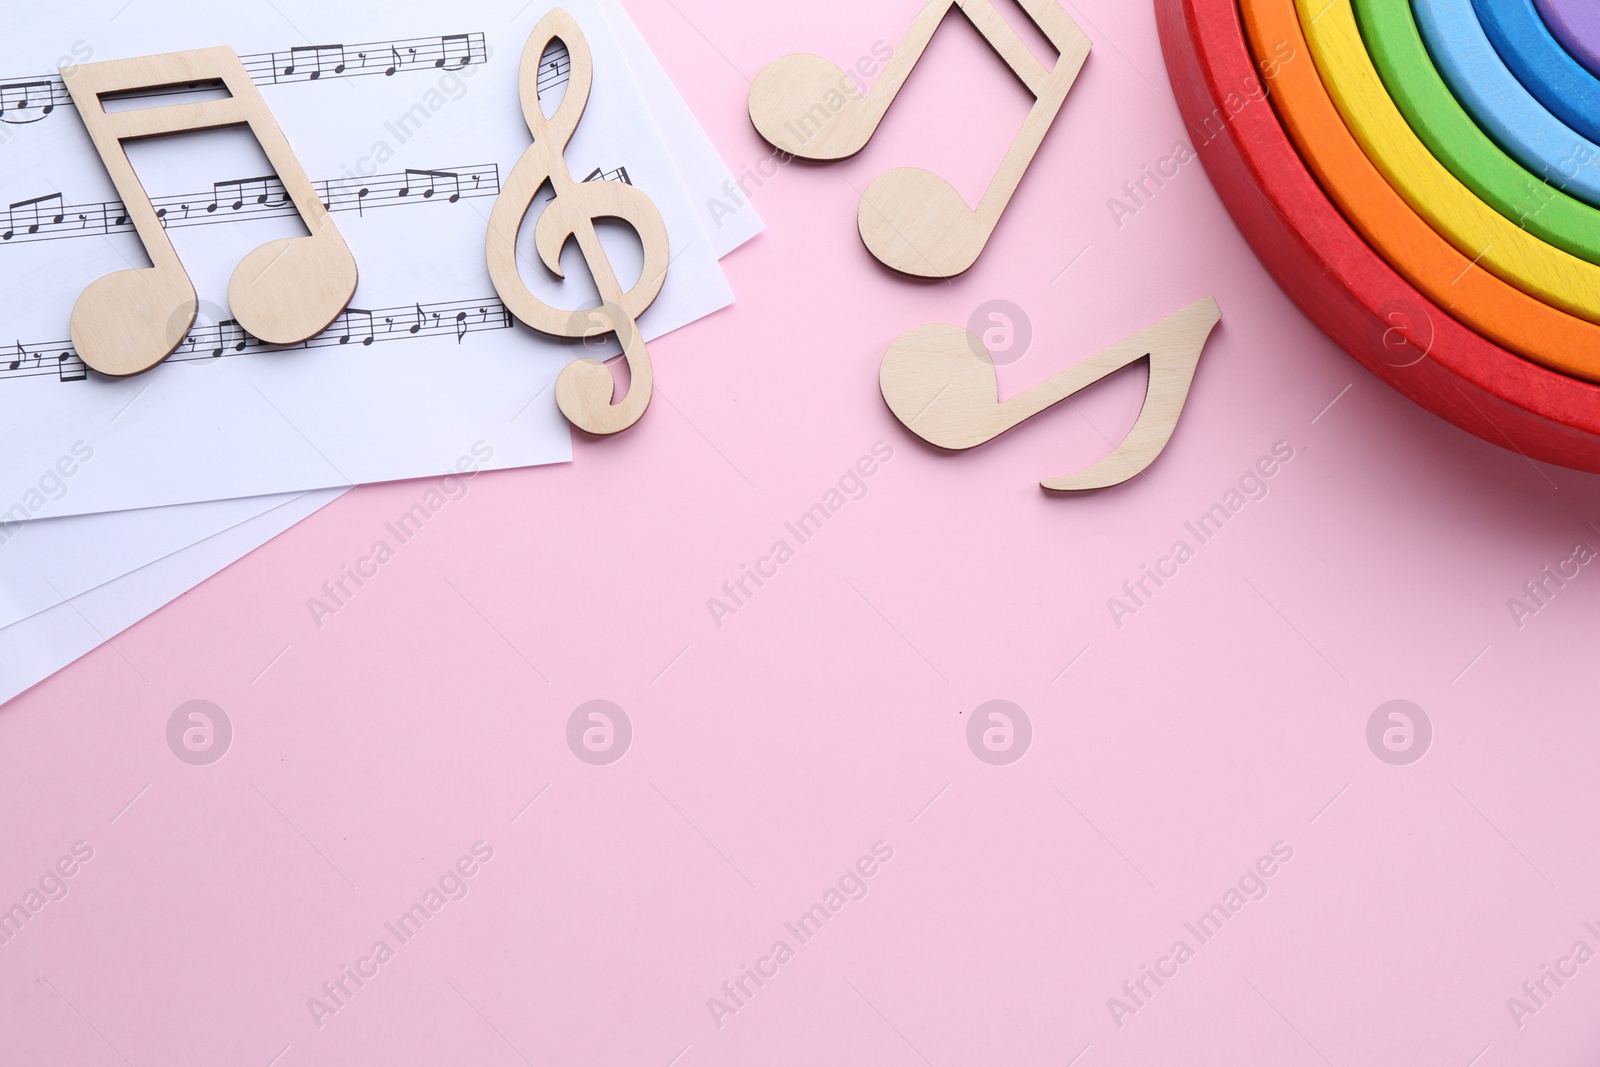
(1336, 278)
(284, 292)
(1576, 25)
(585, 389)
(911, 219)
(940, 383)
(1480, 300)
(1455, 140)
(1481, 83)
(1540, 63)
(1476, 229)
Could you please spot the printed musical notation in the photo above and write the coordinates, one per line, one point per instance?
(555, 67)
(354, 326)
(31, 99)
(45, 218)
(620, 174)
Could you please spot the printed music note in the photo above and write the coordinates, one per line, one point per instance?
(27, 216)
(230, 335)
(585, 388)
(433, 178)
(911, 219)
(351, 324)
(459, 44)
(283, 292)
(70, 368)
(940, 383)
(236, 193)
(24, 102)
(311, 61)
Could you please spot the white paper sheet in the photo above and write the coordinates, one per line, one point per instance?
(34, 649)
(734, 220)
(45, 562)
(405, 406)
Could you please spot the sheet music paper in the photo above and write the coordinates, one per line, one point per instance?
(229, 417)
(704, 172)
(45, 562)
(39, 646)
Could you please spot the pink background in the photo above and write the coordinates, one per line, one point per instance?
(830, 712)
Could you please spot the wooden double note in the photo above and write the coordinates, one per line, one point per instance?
(940, 380)
(912, 219)
(585, 388)
(283, 292)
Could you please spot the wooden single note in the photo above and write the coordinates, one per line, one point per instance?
(584, 389)
(911, 219)
(939, 385)
(283, 292)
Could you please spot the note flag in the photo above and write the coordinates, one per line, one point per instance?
(283, 292)
(584, 390)
(911, 219)
(940, 383)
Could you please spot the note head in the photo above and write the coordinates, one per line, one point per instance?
(291, 289)
(937, 384)
(915, 222)
(797, 105)
(130, 320)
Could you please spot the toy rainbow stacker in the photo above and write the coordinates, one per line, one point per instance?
(1422, 177)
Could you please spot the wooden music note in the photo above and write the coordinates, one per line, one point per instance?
(911, 219)
(936, 383)
(283, 292)
(584, 390)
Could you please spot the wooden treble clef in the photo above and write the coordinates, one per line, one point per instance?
(584, 388)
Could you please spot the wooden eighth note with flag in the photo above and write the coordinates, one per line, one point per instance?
(940, 385)
(940, 380)
(911, 219)
(585, 388)
(284, 292)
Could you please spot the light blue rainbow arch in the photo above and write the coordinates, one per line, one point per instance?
(1500, 104)
(1561, 83)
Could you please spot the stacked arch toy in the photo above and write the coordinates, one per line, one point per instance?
(1423, 178)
